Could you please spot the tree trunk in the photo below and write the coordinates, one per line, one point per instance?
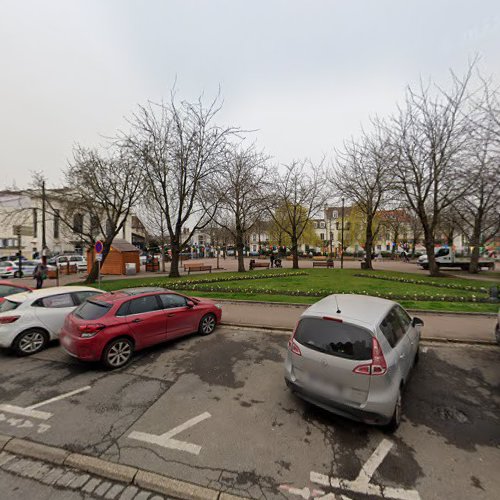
(239, 251)
(94, 272)
(295, 252)
(413, 247)
(475, 243)
(429, 247)
(174, 265)
(369, 244)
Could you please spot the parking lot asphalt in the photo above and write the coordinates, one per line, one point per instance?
(215, 411)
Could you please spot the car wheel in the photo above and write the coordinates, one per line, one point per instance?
(396, 416)
(117, 353)
(207, 324)
(18, 274)
(30, 342)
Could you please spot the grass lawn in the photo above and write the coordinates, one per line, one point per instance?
(323, 282)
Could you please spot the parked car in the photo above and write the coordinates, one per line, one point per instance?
(7, 269)
(9, 288)
(10, 269)
(29, 320)
(73, 260)
(352, 355)
(109, 328)
(12, 257)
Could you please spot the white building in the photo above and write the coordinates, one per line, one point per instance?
(22, 208)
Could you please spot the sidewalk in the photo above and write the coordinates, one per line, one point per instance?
(437, 326)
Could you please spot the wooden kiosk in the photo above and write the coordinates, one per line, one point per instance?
(120, 254)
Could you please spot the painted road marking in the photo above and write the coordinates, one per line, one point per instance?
(165, 440)
(58, 398)
(23, 423)
(32, 412)
(361, 484)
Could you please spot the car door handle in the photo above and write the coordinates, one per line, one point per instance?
(402, 356)
(170, 315)
(136, 320)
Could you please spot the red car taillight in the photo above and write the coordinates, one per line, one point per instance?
(292, 345)
(8, 319)
(89, 330)
(378, 365)
(10, 268)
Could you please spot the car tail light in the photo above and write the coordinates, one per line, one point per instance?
(329, 318)
(292, 345)
(90, 330)
(8, 319)
(378, 365)
(9, 268)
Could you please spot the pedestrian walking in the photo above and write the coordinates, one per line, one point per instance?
(271, 258)
(40, 273)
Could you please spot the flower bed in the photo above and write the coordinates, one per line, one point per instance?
(240, 277)
(397, 279)
(183, 286)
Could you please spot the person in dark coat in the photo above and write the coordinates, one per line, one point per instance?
(271, 258)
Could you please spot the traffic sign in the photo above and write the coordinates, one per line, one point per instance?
(98, 257)
(99, 247)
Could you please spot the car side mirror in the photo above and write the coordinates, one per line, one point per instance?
(417, 322)
(190, 304)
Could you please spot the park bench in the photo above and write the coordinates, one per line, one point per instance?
(197, 266)
(254, 264)
(323, 263)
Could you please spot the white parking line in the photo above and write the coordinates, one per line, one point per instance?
(165, 440)
(32, 412)
(361, 484)
(372, 464)
(57, 398)
(25, 412)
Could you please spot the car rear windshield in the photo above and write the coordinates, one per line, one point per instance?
(8, 305)
(335, 338)
(92, 309)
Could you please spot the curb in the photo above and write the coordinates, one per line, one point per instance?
(110, 470)
(440, 340)
(298, 305)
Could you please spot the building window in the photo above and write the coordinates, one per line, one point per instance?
(337, 225)
(322, 236)
(109, 228)
(35, 223)
(78, 223)
(254, 237)
(335, 214)
(56, 224)
(94, 224)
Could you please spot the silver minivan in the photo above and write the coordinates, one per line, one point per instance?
(352, 355)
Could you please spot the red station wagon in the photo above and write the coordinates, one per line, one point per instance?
(110, 327)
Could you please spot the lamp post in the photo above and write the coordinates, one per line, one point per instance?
(342, 238)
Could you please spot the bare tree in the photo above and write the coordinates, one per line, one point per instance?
(396, 222)
(478, 211)
(108, 187)
(415, 230)
(295, 196)
(179, 148)
(362, 175)
(430, 137)
(238, 186)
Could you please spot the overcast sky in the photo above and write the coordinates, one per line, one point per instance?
(306, 74)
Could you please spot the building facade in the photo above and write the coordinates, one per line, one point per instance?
(63, 233)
